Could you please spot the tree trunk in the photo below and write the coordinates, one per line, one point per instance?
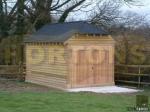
(20, 17)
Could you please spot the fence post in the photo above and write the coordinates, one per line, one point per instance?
(139, 76)
(20, 71)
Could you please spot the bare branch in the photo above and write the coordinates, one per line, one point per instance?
(64, 3)
(33, 3)
(48, 5)
(65, 14)
(13, 9)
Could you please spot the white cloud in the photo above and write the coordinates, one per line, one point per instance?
(143, 9)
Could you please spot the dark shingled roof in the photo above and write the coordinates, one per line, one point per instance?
(60, 32)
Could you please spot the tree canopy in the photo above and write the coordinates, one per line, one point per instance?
(23, 16)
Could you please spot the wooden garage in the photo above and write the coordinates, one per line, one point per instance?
(70, 55)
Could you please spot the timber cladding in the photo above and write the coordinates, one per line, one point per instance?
(46, 64)
(92, 61)
(82, 60)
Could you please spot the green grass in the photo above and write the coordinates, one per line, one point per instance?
(55, 101)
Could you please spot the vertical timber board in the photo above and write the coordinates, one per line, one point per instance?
(103, 73)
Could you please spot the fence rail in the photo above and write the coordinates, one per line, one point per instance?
(12, 72)
(133, 74)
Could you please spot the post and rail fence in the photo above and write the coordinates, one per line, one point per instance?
(133, 74)
(12, 72)
(127, 74)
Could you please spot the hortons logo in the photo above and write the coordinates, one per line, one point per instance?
(50, 55)
(142, 104)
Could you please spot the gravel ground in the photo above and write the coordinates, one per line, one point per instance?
(105, 89)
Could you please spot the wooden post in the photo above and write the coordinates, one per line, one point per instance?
(139, 77)
(126, 71)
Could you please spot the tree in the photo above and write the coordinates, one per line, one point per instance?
(129, 44)
(20, 17)
(129, 50)
(11, 50)
(2, 20)
(125, 28)
(106, 15)
(1, 16)
(41, 12)
(36, 13)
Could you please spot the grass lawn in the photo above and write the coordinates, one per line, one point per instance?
(58, 101)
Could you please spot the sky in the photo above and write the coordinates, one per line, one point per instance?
(142, 7)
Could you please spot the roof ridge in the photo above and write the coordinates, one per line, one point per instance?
(68, 22)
